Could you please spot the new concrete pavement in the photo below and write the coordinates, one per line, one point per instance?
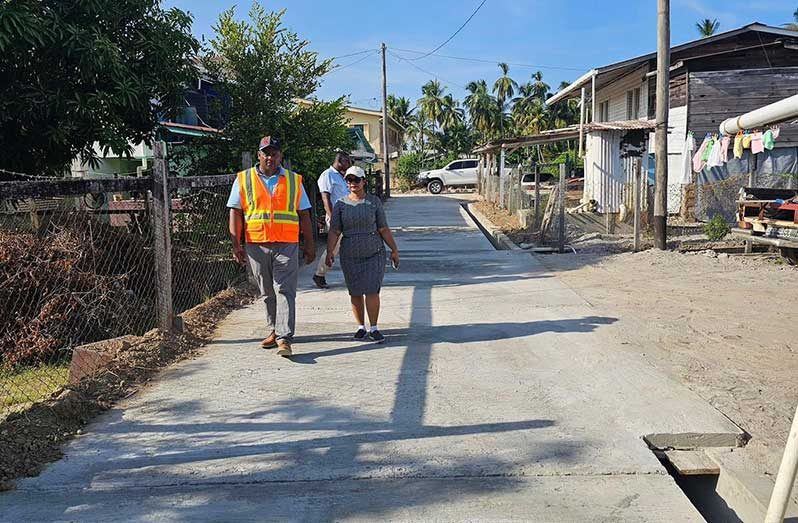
(499, 395)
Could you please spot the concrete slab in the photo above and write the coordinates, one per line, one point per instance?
(499, 395)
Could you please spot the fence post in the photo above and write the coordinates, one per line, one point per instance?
(537, 195)
(246, 160)
(563, 172)
(162, 236)
(636, 167)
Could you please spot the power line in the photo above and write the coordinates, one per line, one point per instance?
(455, 33)
(486, 61)
(338, 68)
(434, 75)
(351, 54)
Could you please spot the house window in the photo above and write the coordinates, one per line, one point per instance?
(360, 126)
(632, 103)
(603, 111)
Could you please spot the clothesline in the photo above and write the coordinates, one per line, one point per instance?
(714, 149)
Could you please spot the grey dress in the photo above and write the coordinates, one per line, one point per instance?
(362, 251)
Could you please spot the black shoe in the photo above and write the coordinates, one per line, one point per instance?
(360, 335)
(320, 281)
(376, 336)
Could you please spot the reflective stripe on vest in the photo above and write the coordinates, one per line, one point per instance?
(270, 217)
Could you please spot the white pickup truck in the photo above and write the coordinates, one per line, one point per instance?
(458, 173)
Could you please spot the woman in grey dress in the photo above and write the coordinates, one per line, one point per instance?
(360, 218)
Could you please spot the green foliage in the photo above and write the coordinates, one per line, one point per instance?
(707, 27)
(75, 73)
(716, 229)
(408, 166)
(263, 67)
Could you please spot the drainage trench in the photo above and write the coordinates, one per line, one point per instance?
(701, 488)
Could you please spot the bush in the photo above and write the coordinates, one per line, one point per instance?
(407, 168)
(717, 228)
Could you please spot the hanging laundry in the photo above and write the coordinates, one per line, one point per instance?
(738, 145)
(686, 174)
(708, 150)
(714, 159)
(757, 145)
(698, 158)
(724, 149)
(769, 138)
(747, 140)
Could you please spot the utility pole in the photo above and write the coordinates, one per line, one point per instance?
(661, 136)
(387, 174)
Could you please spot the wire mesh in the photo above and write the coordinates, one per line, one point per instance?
(202, 262)
(73, 270)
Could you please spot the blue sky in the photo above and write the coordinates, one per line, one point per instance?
(561, 38)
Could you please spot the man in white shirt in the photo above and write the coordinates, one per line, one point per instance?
(332, 187)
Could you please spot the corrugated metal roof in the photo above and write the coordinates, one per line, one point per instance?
(564, 133)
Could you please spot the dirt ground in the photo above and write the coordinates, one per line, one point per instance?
(720, 324)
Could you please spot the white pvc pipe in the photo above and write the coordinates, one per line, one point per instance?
(775, 112)
(780, 498)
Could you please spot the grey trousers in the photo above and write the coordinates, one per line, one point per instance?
(276, 267)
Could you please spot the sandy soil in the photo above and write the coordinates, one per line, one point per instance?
(720, 324)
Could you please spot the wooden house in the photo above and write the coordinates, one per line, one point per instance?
(711, 79)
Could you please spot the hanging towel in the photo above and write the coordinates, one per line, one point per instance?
(698, 159)
(724, 148)
(757, 145)
(738, 145)
(687, 164)
(769, 138)
(714, 159)
(708, 150)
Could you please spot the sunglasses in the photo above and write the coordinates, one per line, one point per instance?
(353, 180)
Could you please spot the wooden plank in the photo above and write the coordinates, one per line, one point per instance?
(692, 462)
(45, 188)
(183, 182)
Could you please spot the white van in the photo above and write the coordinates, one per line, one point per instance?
(458, 173)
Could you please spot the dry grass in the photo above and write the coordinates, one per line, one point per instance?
(31, 384)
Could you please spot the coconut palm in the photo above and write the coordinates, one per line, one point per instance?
(539, 87)
(792, 26)
(707, 27)
(528, 112)
(399, 109)
(481, 107)
(431, 103)
(451, 113)
(504, 87)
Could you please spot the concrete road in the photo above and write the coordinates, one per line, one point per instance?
(500, 395)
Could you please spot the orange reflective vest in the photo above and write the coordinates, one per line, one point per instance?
(270, 217)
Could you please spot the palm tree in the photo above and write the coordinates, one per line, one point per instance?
(540, 88)
(451, 113)
(399, 109)
(528, 111)
(431, 103)
(707, 27)
(504, 87)
(792, 26)
(481, 107)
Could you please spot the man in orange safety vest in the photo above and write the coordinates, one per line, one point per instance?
(269, 208)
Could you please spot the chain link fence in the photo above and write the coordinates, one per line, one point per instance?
(81, 261)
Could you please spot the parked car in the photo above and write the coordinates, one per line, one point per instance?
(458, 173)
(528, 181)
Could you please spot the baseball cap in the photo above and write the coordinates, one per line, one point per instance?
(270, 141)
(355, 171)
